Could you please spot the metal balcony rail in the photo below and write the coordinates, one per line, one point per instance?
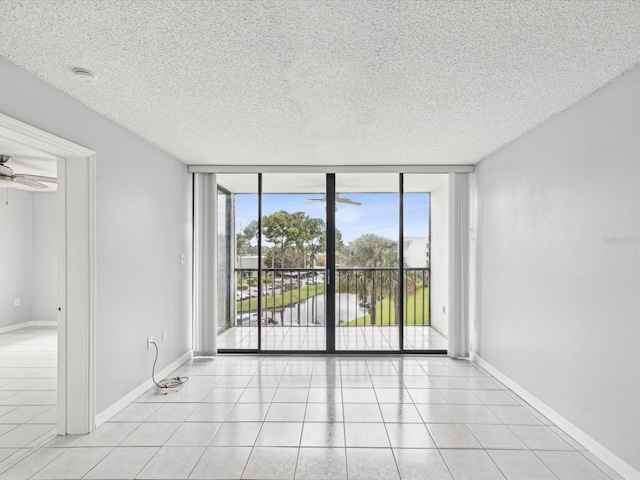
(364, 296)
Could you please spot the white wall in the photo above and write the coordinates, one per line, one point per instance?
(439, 199)
(28, 242)
(143, 226)
(16, 256)
(45, 257)
(559, 264)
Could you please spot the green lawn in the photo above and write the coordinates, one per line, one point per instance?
(280, 300)
(386, 315)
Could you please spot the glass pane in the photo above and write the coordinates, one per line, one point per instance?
(425, 249)
(367, 211)
(224, 260)
(294, 250)
(241, 329)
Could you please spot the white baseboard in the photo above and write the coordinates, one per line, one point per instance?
(32, 323)
(109, 412)
(44, 323)
(595, 447)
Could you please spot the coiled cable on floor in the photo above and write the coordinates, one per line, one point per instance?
(165, 385)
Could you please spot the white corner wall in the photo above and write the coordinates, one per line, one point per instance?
(143, 211)
(558, 268)
(439, 283)
(16, 247)
(45, 257)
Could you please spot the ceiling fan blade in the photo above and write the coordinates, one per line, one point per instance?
(37, 178)
(339, 199)
(348, 201)
(29, 183)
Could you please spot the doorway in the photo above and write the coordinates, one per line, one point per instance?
(76, 272)
(326, 263)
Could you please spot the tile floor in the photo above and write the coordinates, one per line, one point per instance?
(28, 396)
(347, 338)
(322, 417)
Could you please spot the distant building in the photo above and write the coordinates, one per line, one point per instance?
(247, 262)
(416, 252)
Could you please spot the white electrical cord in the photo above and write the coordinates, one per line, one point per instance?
(166, 385)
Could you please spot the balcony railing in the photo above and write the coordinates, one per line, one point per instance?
(364, 296)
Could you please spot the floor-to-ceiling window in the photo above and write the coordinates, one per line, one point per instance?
(241, 331)
(417, 212)
(224, 313)
(327, 262)
(367, 261)
(293, 263)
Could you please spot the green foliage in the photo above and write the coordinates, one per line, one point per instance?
(289, 259)
(284, 230)
(416, 311)
(314, 238)
(371, 251)
(280, 300)
(297, 239)
(245, 238)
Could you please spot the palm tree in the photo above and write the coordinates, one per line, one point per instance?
(380, 255)
(376, 258)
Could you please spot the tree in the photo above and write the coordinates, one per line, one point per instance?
(339, 241)
(251, 230)
(286, 230)
(371, 253)
(315, 239)
(283, 230)
(245, 238)
(371, 250)
(288, 259)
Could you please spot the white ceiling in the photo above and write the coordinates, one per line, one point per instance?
(325, 82)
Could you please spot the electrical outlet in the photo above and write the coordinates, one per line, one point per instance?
(444, 309)
(16, 302)
(475, 323)
(164, 334)
(149, 340)
(182, 258)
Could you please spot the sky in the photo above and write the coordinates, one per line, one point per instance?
(378, 213)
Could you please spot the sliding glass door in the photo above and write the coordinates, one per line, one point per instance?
(293, 259)
(367, 210)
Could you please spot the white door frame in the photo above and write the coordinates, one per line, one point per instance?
(76, 272)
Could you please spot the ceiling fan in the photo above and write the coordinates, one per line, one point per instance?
(33, 181)
(339, 199)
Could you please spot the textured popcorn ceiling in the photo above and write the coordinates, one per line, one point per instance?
(319, 82)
